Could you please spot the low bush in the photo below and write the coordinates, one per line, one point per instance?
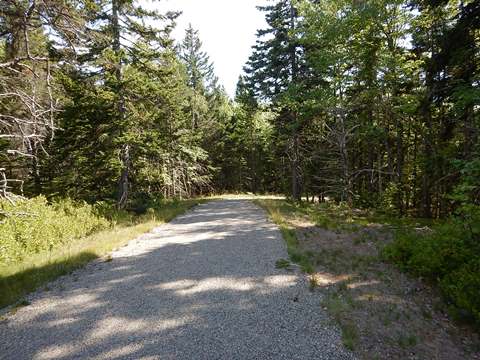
(462, 287)
(41, 241)
(33, 225)
(449, 254)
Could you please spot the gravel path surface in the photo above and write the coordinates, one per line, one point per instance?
(204, 286)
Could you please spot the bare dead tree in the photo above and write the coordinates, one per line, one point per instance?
(338, 136)
(337, 175)
(27, 101)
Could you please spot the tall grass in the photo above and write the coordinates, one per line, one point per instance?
(28, 272)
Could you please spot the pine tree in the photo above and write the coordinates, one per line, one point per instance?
(275, 72)
(199, 68)
(201, 78)
(124, 40)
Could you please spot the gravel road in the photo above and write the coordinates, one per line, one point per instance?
(204, 286)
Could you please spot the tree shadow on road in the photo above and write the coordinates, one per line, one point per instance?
(208, 290)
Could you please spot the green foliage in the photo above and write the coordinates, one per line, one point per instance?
(468, 189)
(199, 68)
(247, 161)
(275, 73)
(282, 264)
(372, 103)
(32, 226)
(389, 199)
(30, 271)
(462, 288)
(432, 255)
(449, 254)
(83, 163)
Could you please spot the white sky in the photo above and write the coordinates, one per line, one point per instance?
(227, 29)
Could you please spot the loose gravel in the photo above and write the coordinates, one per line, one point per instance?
(204, 286)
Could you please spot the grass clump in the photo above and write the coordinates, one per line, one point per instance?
(349, 334)
(339, 307)
(313, 283)
(282, 264)
(407, 341)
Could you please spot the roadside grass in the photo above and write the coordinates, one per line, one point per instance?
(276, 209)
(282, 264)
(340, 217)
(339, 308)
(33, 272)
(380, 311)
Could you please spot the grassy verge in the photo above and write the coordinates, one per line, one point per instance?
(276, 210)
(381, 311)
(340, 217)
(32, 272)
(283, 214)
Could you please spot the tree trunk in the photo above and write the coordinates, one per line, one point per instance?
(124, 180)
(35, 172)
(125, 149)
(400, 162)
(296, 191)
(426, 194)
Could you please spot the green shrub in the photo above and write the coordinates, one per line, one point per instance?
(26, 272)
(462, 287)
(449, 255)
(430, 255)
(33, 225)
(388, 203)
(109, 211)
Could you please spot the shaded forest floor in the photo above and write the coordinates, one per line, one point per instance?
(382, 312)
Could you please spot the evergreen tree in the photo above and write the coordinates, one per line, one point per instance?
(199, 68)
(373, 103)
(120, 40)
(275, 72)
(201, 78)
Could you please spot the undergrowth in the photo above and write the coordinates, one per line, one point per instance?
(449, 255)
(32, 226)
(342, 218)
(377, 309)
(42, 241)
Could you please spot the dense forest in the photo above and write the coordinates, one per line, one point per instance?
(372, 104)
